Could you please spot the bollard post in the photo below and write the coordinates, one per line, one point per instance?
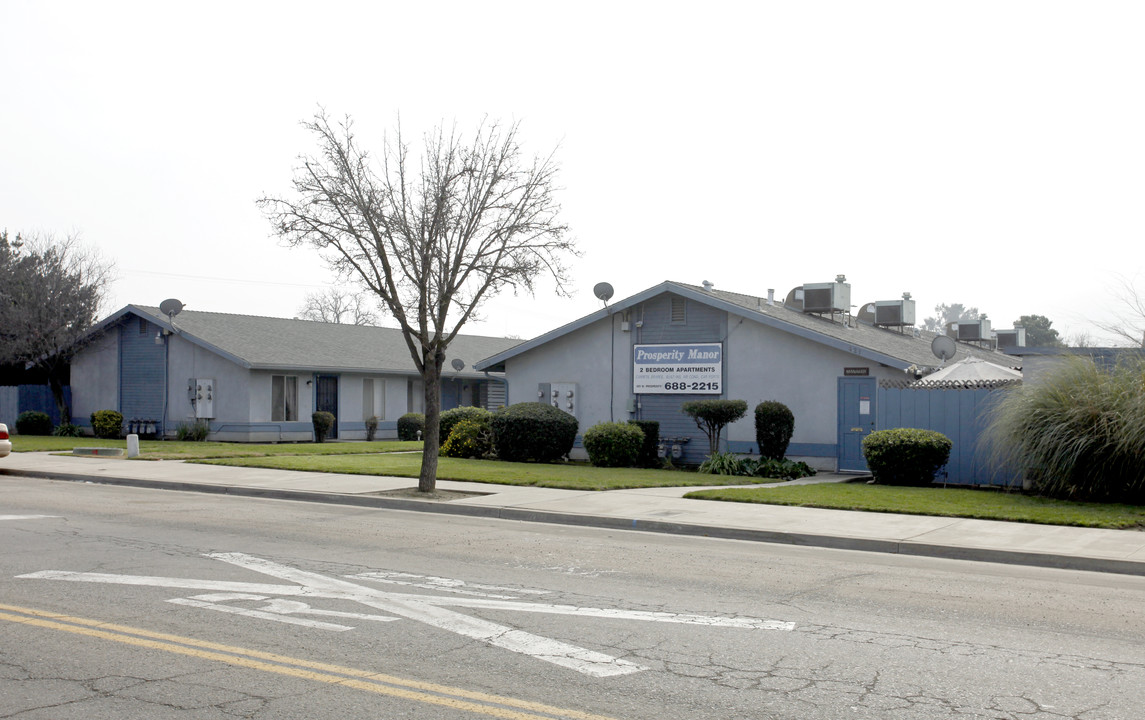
(132, 445)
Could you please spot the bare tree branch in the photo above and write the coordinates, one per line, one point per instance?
(432, 237)
(337, 305)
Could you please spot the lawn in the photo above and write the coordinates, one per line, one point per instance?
(948, 502)
(175, 450)
(566, 476)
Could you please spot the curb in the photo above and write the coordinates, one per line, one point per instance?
(893, 547)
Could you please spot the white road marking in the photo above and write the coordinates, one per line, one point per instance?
(431, 610)
(26, 517)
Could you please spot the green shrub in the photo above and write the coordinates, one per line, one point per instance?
(780, 469)
(193, 432)
(371, 428)
(650, 451)
(1077, 433)
(774, 425)
(322, 421)
(533, 432)
(613, 444)
(67, 429)
(469, 438)
(450, 418)
(712, 416)
(33, 422)
(906, 456)
(722, 463)
(107, 423)
(410, 426)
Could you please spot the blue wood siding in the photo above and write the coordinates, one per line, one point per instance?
(141, 368)
(959, 414)
(40, 399)
(703, 323)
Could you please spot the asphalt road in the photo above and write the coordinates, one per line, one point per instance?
(132, 603)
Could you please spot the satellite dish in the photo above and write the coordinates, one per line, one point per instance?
(603, 292)
(943, 347)
(458, 364)
(171, 307)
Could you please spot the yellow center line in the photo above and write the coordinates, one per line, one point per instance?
(418, 691)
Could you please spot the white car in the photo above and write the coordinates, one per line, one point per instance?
(5, 443)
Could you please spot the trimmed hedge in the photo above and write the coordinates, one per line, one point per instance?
(107, 423)
(409, 425)
(449, 419)
(613, 444)
(33, 422)
(322, 421)
(774, 425)
(649, 452)
(906, 456)
(533, 432)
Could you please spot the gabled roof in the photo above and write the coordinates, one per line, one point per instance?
(887, 347)
(267, 343)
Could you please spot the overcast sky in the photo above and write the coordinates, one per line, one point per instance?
(988, 153)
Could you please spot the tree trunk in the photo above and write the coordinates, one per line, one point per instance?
(431, 435)
(62, 404)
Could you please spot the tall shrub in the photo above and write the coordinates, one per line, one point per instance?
(322, 422)
(906, 456)
(410, 426)
(649, 451)
(33, 422)
(774, 425)
(712, 416)
(107, 423)
(1078, 432)
(533, 432)
(450, 418)
(613, 444)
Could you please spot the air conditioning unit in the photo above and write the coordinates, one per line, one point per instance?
(1011, 338)
(972, 331)
(826, 297)
(894, 312)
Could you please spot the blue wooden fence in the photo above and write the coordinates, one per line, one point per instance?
(958, 411)
(21, 398)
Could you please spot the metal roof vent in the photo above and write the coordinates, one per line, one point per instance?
(708, 286)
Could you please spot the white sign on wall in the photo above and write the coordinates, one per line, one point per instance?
(686, 368)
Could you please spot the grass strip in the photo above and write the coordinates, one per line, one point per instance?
(565, 476)
(947, 502)
(181, 450)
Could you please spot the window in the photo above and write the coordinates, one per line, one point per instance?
(283, 398)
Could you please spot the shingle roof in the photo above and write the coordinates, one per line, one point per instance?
(889, 347)
(281, 343)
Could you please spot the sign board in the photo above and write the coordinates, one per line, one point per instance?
(685, 368)
(856, 371)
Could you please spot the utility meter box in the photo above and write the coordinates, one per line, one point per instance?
(202, 395)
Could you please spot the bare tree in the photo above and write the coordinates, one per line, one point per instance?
(336, 305)
(51, 291)
(432, 236)
(1129, 324)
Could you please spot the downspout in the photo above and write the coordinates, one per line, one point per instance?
(166, 383)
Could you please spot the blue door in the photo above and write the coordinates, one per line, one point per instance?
(856, 421)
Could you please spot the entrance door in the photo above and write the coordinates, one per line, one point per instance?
(856, 421)
(326, 400)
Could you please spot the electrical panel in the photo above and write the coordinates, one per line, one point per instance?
(201, 392)
(564, 396)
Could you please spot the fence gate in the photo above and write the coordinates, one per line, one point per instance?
(956, 409)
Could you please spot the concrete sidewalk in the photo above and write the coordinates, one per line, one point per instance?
(661, 510)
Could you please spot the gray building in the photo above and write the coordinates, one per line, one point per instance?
(259, 379)
(643, 357)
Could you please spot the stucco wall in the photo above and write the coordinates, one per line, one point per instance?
(95, 378)
(231, 394)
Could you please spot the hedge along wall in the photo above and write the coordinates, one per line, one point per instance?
(958, 411)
